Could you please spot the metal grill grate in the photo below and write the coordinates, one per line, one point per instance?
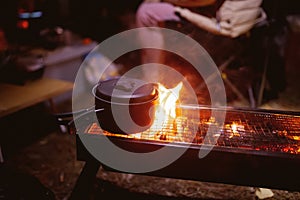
(260, 131)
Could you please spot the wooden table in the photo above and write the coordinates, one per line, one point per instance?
(16, 97)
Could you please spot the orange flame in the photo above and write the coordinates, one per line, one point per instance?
(166, 108)
(166, 125)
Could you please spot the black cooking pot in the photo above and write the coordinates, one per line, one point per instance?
(123, 100)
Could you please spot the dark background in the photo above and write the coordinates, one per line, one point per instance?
(99, 19)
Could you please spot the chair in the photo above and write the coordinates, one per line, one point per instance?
(255, 45)
(222, 59)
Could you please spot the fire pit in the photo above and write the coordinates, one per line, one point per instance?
(254, 148)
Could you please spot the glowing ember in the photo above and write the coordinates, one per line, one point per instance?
(294, 135)
(294, 150)
(234, 129)
(211, 121)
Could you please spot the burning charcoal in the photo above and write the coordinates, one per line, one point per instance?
(163, 137)
(282, 133)
(198, 139)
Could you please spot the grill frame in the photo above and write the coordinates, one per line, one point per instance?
(238, 166)
(228, 165)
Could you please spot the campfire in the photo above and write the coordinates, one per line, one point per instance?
(257, 131)
(168, 125)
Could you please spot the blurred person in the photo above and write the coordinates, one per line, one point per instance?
(228, 19)
(218, 21)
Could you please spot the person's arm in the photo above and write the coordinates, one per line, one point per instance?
(203, 22)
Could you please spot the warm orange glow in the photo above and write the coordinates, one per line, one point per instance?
(167, 103)
(167, 126)
(234, 129)
(291, 150)
(294, 135)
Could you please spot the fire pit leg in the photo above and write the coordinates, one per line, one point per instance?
(85, 181)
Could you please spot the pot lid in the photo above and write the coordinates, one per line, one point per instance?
(125, 90)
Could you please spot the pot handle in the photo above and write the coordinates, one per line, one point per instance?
(66, 117)
(83, 123)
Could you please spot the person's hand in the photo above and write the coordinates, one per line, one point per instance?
(239, 11)
(234, 18)
(183, 12)
(239, 16)
(201, 21)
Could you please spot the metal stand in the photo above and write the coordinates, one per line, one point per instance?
(84, 184)
(222, 67)
(1, 156)
(264, 76)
